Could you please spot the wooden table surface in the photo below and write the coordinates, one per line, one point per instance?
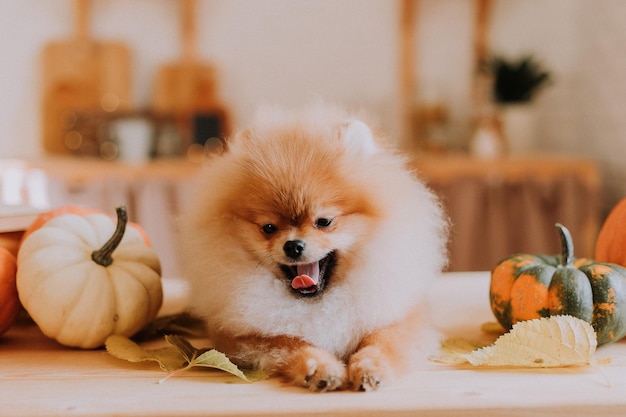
(38, 377)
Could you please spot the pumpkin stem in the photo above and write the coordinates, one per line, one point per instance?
(567, 245)
(103, 256)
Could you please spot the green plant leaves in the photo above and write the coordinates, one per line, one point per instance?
(517, 80)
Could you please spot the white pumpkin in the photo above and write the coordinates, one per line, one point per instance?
(83, 278)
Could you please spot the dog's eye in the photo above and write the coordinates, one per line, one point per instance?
(269, 229)
(323, 222)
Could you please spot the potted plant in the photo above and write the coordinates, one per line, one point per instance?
(515, 85)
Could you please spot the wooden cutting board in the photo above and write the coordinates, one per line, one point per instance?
(81, 75)
(186, 89)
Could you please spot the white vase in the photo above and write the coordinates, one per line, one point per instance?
(518, 127)
(487, 139)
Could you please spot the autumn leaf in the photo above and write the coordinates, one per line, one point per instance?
(183, 323)
(180, 356)
(452, 350)
(493, 327)
(169, 358)
(209, 358)
(556, 341)
(548, 342)
(185, 348)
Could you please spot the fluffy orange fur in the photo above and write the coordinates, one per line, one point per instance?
(324, 182)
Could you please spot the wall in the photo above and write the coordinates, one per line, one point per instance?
(279, 51)
(290, 51)
(583, 43)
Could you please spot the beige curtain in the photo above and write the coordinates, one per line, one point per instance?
(496, 216)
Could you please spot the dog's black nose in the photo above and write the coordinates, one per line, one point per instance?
(294, 248)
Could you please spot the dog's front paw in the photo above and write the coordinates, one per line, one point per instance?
(367, 369)
(317, 370)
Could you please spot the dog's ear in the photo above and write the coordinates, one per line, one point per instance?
(240, 137)
(358, 138)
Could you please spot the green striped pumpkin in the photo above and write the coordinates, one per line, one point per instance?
(526, 287)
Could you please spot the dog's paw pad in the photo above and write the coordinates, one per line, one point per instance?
(366, 373)
(327, 374)
(369, 383)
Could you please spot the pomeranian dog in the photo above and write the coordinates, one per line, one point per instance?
(309, 247)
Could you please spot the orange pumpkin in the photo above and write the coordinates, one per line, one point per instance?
(611, 242)
(43, 218)
(9, 302)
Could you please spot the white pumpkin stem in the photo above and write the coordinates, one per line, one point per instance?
(103, 256)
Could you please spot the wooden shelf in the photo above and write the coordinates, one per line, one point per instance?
(496, 206)
(17, 218)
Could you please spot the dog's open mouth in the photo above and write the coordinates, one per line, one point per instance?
(310, 279)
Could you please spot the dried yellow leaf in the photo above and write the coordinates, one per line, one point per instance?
(493, 327)
(180, 356)
(169, 358)
(452, 350)
(556, 341)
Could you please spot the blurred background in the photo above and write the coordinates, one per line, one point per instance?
(514, 112)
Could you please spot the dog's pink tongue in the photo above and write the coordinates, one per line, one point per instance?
(308, 276)
(301, 282)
